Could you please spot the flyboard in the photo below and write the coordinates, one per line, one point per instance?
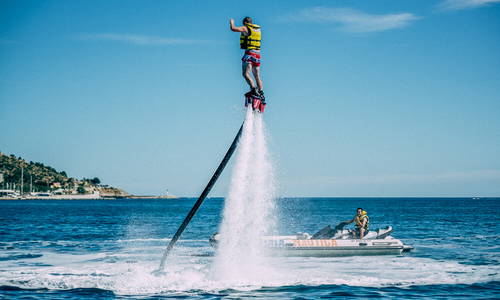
(257, 103)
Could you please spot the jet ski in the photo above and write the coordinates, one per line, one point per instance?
(256, 101)
(331, 242)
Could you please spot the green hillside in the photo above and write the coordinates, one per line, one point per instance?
(38, 177)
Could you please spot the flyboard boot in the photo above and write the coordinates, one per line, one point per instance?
(256, 99)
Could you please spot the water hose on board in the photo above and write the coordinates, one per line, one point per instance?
(202, 197)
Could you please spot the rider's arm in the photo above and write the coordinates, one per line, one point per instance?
(235, 28)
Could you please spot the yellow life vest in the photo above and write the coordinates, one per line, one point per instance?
(251, 41)
(359, 220)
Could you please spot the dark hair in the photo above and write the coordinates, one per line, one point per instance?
(359, 208)
(247, 20)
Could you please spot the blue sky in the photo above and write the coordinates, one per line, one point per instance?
(366, 98)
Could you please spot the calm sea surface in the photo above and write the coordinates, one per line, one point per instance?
(58, 249)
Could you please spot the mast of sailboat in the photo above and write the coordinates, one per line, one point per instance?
(22, 181)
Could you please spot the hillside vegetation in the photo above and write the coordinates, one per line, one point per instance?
(38, 177)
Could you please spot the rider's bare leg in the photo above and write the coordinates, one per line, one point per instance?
(247, 68)
(256, 75)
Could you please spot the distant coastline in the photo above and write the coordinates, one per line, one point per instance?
(145, 197)
(86, 197)
(23, 180)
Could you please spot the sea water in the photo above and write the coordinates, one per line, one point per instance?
(86, 249)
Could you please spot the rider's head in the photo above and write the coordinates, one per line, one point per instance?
(247, 20)
(359, 210)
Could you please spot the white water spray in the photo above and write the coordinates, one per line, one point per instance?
(249, 207)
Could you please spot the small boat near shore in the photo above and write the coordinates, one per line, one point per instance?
(330, 242)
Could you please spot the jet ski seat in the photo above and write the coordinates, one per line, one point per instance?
(325, 233)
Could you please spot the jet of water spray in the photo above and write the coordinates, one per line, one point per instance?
(248, 211)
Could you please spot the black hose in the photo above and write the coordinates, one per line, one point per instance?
(202, 197)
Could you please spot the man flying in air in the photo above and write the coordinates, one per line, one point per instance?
(250, 41)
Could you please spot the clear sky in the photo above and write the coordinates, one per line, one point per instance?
(366, 98)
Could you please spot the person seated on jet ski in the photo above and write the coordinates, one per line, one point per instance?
(361, 221)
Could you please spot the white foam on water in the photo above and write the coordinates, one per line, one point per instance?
(193, 274)
(248, 210)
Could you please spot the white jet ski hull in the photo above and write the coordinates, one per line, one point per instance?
(291, 246)
(341, 243)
